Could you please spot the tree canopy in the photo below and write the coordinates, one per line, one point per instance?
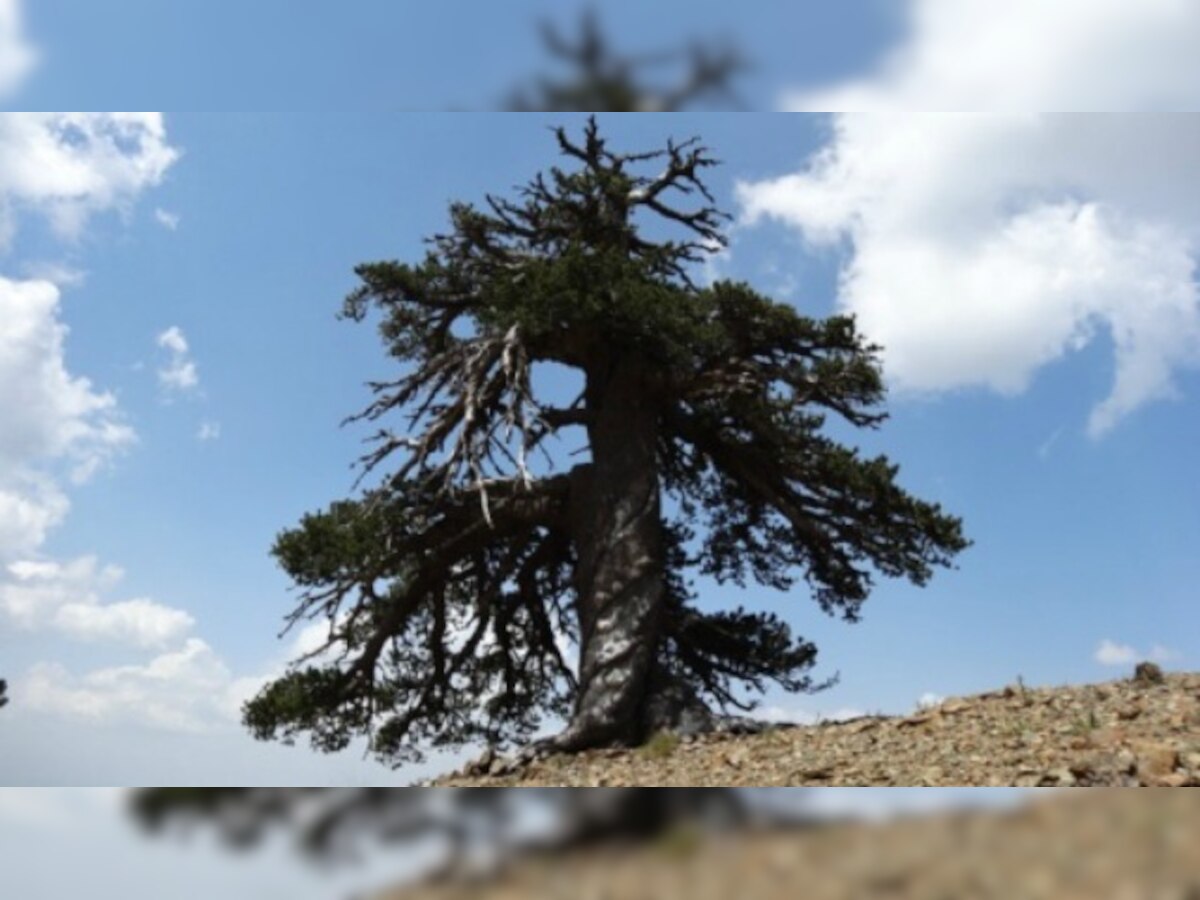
(599, 78)
(483, 583)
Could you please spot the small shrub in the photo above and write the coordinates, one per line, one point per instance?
(661, 746)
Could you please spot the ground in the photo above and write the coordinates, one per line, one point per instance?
(1133, 732)
(1098, 845)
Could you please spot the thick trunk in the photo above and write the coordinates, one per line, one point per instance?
(618, 532)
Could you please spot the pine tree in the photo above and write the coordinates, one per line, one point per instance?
(327, 821)
(459, 582)
(599, 78)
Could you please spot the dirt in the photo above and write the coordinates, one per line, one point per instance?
(1142, 731)
(1098, 845)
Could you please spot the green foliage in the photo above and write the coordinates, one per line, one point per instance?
(450, 585)
(661, 745)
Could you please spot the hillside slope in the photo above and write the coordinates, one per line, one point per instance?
(1098, 845)
(1138, 732)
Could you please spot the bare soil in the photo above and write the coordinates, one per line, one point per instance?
(1138, 732)
(1087, 845)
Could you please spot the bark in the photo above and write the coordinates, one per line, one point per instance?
(618, 532)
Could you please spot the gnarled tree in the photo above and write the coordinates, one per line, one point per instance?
(471, 822)
(458, 583)
(599, 78)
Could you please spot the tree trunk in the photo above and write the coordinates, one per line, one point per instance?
(618, 532)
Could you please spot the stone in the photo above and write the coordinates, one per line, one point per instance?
(1058, 778)
(1147, 674)
(1129, 713)
(1155, 761)
(481, 765)
(1173, 779)
(1125, 762)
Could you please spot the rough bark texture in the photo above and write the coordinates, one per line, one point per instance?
(450, 586)
(618, 531)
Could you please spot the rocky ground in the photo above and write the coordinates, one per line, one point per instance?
(1141, 731)
(1098, 845)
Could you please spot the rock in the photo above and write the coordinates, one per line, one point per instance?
(822, 774)
(1125, 762)
(1147, 674)
(1129, 713)
(1155, 761)
(1174, 779)
(933, 776)
(481, 765)
(1058, 778)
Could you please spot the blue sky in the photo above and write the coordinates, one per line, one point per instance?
(380, 55)
(1032, 278)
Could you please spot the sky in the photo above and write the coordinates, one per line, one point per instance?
(172, 375)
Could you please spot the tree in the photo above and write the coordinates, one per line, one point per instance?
(3, 693)
(458, 581)
(328, 821)
(602, 79)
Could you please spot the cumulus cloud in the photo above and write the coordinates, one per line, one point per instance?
(67, 167)
(59, 274)
(208, 431)
(179, 372)
(31, 504)
(17, 54)
(57, 429)
(167, 219)
(187, 690)
(780, 714)
(67, 597)
(1096, 55)
(984, 247)
(48, 413)
(57, 426)
(1112, 653)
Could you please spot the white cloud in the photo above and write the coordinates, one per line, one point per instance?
(190, 690)
(930, 700)
(67, 167)
(139, 621)
(59, 274)
(57, 426)
(1111, 653)
(806, 716)
(179, 372)
(1097, 55)
(1159, 653)
(66, 597)
(208, 431)
(48, 413)
(30, 506)
(984, 247)
(167, 219)
(17, 55)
